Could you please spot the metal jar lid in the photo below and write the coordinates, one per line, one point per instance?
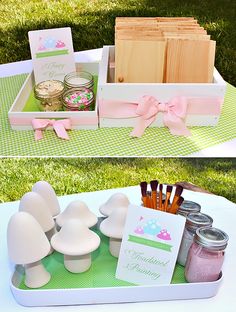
(188, 206)
(79, 79)
(211, 238)
(195, 220)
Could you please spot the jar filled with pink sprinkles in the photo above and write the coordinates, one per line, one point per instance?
(79, 99)
(206, 255)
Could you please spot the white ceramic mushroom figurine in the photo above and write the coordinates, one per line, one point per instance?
(115, 201)
(27, 245)
(34, 204)
(47, 192)
(77, 210)
(76, 241)
(113, 227)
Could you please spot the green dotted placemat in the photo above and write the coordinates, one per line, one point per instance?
(110, 141)
(100, 274)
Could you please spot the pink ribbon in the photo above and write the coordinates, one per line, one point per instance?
(173, 111)
(59, 126)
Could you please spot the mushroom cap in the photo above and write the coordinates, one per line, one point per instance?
(47, 192)
(113, 226)
(75, 239)
(116, 200)
(77, 210)
(26, 240)
(34, 204)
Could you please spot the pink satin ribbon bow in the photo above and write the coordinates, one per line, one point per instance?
(60, 127)
(174, 113)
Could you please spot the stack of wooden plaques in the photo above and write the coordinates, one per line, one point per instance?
(163, 49)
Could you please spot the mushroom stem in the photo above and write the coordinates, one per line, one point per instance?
(36, 275)
(114, 246)
(49, 235)
(77, 264)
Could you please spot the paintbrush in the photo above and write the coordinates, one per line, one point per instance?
(174, 208)
(160, 196)
(154, 185)
(178, 192)
(143, 186)
(168, 194)
(149, 199)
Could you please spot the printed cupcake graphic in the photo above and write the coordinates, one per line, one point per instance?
(150, 233)
(50, 46)
(152, 229)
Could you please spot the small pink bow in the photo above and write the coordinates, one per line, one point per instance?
(60, 126)
(174, 113)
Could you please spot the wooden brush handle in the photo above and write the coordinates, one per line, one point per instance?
(174, 208)
(149, 201)
(154, 200)
(160, 201)
(167, 201)
(144, 199)
(174, 202)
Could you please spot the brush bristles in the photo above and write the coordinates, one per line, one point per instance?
(169, 188)
(143, 186)
(180, 201)
(179, 190)
(154, 185)
(160, 187)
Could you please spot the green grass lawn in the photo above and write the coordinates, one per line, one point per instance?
(75, 175)
(92, 23)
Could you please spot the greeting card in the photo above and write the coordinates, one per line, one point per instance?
(150, 246)
(52, 53)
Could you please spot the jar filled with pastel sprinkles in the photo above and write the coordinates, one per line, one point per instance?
(79, 79)
(79, 99)
(49, 93)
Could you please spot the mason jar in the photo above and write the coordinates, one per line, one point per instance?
(194, 220)
(79, 99)
(188, 206)
(49, 93)
(79, 79)
(206, 255)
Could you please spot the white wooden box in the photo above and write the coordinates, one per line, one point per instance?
(204, 99)
(21, 120)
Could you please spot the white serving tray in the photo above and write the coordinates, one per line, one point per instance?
(20, 120)
(52, 297)
(117, 294)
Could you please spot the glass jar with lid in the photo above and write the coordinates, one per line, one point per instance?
(206, 255)
(79, 99)
(49, 93)
(194, 221)
(79, 79)
(188, 206)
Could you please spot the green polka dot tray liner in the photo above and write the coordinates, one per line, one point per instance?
(110, 141)
(100, 274)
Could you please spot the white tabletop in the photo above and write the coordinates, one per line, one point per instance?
(226, 149)
(223, 213)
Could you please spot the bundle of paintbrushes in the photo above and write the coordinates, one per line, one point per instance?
(154, 198)
(163, 49)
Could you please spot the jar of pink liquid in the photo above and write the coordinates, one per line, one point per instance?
(206, 255)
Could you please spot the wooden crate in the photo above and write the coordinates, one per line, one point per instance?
(204, 99)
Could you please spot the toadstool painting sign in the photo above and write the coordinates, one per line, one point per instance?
(150, 246)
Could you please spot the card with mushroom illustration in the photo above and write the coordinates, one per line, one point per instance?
(52, 53)
(150, 246)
